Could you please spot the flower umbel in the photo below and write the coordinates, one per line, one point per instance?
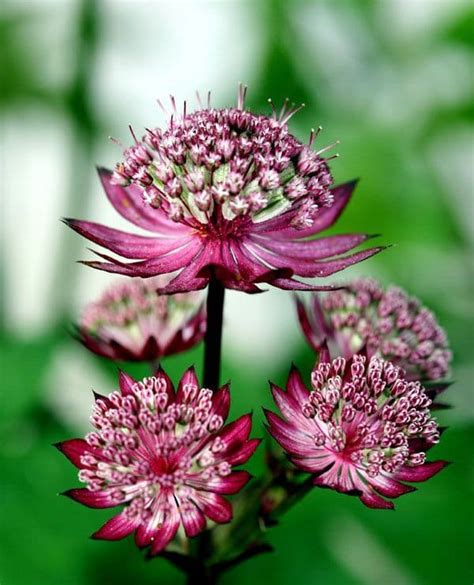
(362, 429)
(165, 455)
(388, 323)
(131, 322)
(228, 193)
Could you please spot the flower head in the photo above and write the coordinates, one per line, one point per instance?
(362, 429)
(389, 323)
(226, 192)
(165, 456)
(131, 322)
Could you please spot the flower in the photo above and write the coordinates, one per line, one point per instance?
(389, 323)
(164, 455)
(131, 322)
(363, 428)
(229, 193)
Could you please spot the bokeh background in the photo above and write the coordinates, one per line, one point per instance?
(393, 80)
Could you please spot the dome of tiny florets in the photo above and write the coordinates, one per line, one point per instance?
(388, 322)
(242, 163)
(362, 428)
(165, 455)
(130, 321)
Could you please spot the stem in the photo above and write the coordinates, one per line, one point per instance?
(201, 577)
(213, 337)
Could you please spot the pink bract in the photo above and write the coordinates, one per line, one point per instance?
(362, 429)
(164, 455)
(229, 193)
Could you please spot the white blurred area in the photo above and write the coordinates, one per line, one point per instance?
(150, 49)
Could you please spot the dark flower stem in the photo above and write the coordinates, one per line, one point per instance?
(201, 577)
(213, 337)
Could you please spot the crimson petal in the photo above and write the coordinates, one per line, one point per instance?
(117, 528)
(100, 499)
(421, 472)
(126, 244)
(312, 249)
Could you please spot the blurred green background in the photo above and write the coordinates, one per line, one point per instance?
(393, 80)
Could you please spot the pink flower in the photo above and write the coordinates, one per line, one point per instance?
(131, 322)
(388, 323)
(363, 429)
(165, 456)
(227, 192)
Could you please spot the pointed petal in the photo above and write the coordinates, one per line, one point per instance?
(372, 500)
(236, 432)
(221, 402)
(74, 449)
(315, 464)
(193, 519)
(310, 268)
(296, 387)
(117, 528)
(324, 357)
(291, 284)
(421, 472)
(288, 407)
(311, 249)
(126, 244)
(101, 499)
(95, 345)
(242, 454)
(188, 278)
(215, 507)
(167, 383)
(390, 488)
(305, 323)
(160, 265)
(166, 533)
(126, 383)
(229, 484)
(290, 437)
(189, 377)
(325, 218)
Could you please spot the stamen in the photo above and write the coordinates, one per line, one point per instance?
(133, 134)
(326, 148)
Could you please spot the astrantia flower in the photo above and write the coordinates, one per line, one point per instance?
(362, 429)
(164, 455)
(390, 324)
(131, 322)
(227, 189)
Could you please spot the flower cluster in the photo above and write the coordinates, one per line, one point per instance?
(165, 455)
(388, 323)
(231, 160)
(131, 322)
(232, 200)
(362, 429)
(230, 194)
